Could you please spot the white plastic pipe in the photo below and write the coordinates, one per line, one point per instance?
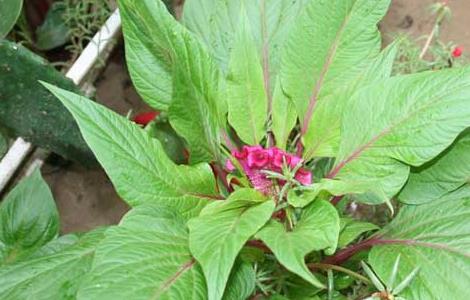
(20, 149)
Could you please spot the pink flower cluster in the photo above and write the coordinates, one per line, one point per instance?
(254, 159)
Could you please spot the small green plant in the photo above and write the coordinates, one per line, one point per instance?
(387, 290)
(435, 54)
(290, 115)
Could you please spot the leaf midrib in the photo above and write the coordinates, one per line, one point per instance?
(329, 60)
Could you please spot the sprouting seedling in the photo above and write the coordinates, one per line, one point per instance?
(387, 290)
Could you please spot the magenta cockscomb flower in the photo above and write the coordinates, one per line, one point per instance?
(255, 159)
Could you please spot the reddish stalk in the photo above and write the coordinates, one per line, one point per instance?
(222, 175)
(336, 200)
(258, 244)
(345, 254)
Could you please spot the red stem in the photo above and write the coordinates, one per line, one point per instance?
(345, 254)
(336, 200)
(259, 244)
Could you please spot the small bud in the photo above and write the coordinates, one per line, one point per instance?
(145, 118)
(457, 52)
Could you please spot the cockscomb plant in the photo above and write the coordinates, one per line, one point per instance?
(312, 173)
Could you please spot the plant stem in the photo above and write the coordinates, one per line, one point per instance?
(350, 251)
(258, 244)
(440, 17)
(336, 200)
(428, 42)
(323, 266)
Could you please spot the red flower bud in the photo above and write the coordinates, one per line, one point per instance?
(145, 118)
(458, 51)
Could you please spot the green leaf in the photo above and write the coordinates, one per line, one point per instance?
(149, 50)
(218, 234)
(196, 112)
(4, 142)
(196, 109)
(216, 24)
(172, 144)
(241, 283)
(55, 276)
(351, 229)
(53, 32)
(145, 257)
(12, 10)
(284, 116)
(443, 175)
(318, 229)
(29, 111)
(324, 48)
(434, 237)
(136, 162)
(407, 120)
(304, 196)
(247, 98)
(322, 138)
(28, 218)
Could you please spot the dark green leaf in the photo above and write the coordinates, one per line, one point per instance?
(29, 111)
(11, 10)
(172, 144)
(28, 218)
(53, 32)
(55, 276)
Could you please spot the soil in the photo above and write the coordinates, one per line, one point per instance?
(414, 17)
(86, 198)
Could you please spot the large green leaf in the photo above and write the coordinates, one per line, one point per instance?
(216, 23)
(29, 111)
(407, 120)
(196, 108)
(322, 138)
(448, 172)
(434, 237)
(11, 10)
(54, 276)
(247, 97)
(318, 229)
(28, 218)
(325, 49)
(218, 234)
(145, 257)
(135, 162)
(148, 50)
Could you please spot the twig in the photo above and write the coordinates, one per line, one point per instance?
(323, 266)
